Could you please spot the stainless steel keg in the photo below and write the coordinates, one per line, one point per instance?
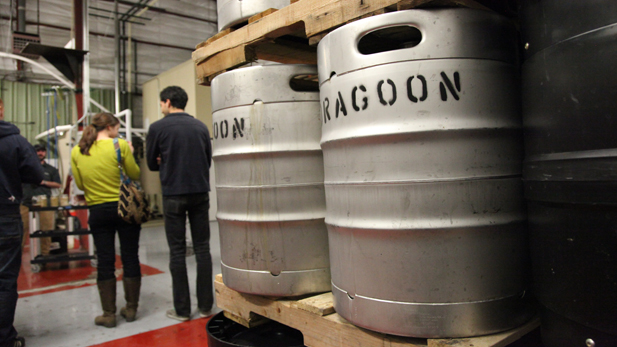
(232, 12)
(269, 181)
(570, 171)
(422, 145)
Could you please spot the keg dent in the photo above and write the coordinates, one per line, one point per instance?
(270, 193)
(422, 146)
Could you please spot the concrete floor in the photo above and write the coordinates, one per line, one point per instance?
(58, 316)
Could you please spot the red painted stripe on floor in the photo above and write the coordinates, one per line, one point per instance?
(188, 334)
(63, 276)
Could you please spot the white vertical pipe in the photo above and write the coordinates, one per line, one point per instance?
(117, 59)
(86, 65)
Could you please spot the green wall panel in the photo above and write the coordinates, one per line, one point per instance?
(27, 106)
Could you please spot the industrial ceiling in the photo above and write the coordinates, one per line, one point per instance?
(156, 35)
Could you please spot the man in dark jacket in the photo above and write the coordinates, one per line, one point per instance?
(179, 147)
(18, 164)
(47, 219)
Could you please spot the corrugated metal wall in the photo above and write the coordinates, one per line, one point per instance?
(26, 106)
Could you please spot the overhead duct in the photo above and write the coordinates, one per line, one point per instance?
(20, 37)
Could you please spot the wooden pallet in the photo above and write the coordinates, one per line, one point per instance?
(290, 35)
(314, 316)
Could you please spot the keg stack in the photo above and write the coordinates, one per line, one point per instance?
(570, 170)
(422, 146)
(269, 181)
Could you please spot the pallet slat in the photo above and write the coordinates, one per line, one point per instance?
(259, 16)
(322, 327)
(223, 61)
(319, 304)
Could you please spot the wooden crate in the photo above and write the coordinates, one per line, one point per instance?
(290, 35)
(314, 316)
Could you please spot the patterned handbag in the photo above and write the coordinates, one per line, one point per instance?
(133, 205)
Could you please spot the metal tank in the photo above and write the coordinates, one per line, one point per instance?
(269, 181)
(570, 170)
(422, 147)
(232, 12)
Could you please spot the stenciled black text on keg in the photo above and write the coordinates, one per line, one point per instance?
(453, 86)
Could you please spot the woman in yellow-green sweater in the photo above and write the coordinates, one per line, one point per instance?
(94, 164)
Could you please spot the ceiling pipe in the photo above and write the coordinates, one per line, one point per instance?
(164, 11)
(130, 50)
(117, 57)
(21, 16)
(21, 24)
(86, 62)
(82, 77)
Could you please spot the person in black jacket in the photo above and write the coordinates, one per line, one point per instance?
(179, 147)
(18, 164)
(47, 219)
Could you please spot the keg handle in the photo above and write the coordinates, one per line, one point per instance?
(355, 40)
(304, 83)
(403, 30)
(389, 38)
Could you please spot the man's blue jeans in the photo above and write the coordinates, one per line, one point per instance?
(176, 209)
(10, 263)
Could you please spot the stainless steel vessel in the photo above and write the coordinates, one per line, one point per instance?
(269, 182)
(232, 12)
(570, 171)
(422, 155)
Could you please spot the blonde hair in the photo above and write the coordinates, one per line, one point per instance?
(100, 122)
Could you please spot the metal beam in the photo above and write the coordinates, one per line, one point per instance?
(138, 4)
(112, 12)
(164, 11)
(107, 17)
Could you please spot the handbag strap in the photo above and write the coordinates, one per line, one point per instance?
(123, 178)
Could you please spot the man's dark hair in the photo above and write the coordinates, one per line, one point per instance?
(176, 95)
(39, 147)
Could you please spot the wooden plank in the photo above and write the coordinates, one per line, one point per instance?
(214, 38)
(321, 304)
(286, 51)
(314, 40)
(259, 16)
(323, 329)
(253, 320)
(229, 59)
